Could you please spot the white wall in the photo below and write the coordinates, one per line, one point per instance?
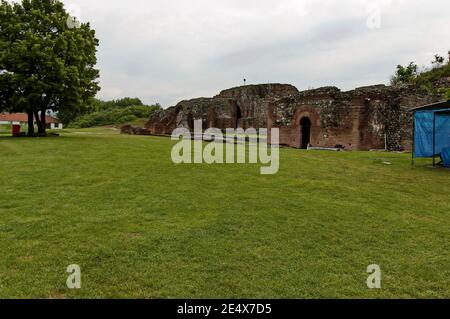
(10, 123)
(53, 126)
(56, 126)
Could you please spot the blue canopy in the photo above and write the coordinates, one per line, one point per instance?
(429, 126)
(445, 156)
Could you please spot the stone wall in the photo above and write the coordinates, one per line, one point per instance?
(374, 117)
(238, 107)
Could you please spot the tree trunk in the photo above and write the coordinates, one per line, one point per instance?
(38, 121)
(30, 123)
(43, 127)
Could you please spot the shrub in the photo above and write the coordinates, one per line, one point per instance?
(404, 74)
(447, 94)
(427, 78)
(114, 115)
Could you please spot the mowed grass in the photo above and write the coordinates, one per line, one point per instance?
(142, 227)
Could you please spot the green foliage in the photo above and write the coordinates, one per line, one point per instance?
(120, 103)
(114, 115)
(68, 115)
(98, 111)
(45, 64)
(446, 93)
(428, 79)
(405, 74)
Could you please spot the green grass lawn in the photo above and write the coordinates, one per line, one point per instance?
(141, 226)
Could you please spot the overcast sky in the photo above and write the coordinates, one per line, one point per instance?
(168, 50)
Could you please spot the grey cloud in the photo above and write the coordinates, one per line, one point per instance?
(167, 51)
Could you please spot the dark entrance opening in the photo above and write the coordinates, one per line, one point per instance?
(238, 117)
(190, 122)
(305, 129)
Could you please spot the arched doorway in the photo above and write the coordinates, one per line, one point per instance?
(238, 117)
(190, 122)
(305, 129)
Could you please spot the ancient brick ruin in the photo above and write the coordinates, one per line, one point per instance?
(238, 107)
(374, 117)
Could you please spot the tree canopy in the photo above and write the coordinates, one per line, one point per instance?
(45, 61)
(119, 103)
(405, 74)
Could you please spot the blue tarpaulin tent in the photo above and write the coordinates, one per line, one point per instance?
(432, 130)
(445, 156)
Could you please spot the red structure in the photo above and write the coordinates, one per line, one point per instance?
(16, 130)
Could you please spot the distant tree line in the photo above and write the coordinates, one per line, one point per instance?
(112, 112)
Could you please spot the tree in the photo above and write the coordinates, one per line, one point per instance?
(438, 61)
(45, 62)
(405, 75)
(119, 103)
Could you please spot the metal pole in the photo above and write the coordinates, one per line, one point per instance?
(434, 137)
(413, 136)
